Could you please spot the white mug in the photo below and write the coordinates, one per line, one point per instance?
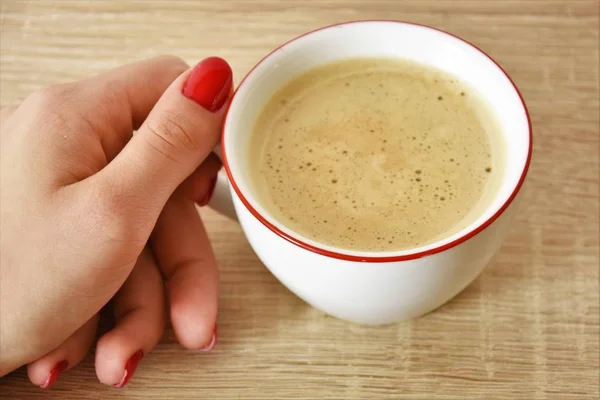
(369, 287)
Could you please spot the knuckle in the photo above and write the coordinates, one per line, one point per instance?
(40, 98)
(52, 99)
(52, 94)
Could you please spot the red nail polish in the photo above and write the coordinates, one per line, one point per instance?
(130, 367)
(210, 83)
(213, 341)
(206, 199)
(58, 368)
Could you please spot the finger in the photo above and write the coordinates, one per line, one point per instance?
(186, 259)
(112, 104)
(140, 321)
(132, 90)
(45, 370)
(177, 136)
(200, 184)
(118, 101)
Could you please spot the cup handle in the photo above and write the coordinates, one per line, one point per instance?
(221, 200)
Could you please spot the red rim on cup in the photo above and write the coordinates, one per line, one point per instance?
(380, 259)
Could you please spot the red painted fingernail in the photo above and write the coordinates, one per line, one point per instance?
(130, 367)
(210, 83)
(206, 199)
(213, 341)
(54, 374)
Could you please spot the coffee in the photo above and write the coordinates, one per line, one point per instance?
(376, 155)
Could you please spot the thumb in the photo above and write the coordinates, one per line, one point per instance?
(179, 133)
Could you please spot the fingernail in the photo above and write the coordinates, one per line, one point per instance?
(206, 199)
(130, 367)
(210, 83)
(212, 342)
(54, 374)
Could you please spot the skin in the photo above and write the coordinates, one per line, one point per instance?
(92, 214)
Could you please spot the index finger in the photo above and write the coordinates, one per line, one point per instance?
(132, 90)
(117, 102)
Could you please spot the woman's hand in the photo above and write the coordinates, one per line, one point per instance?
(90, 212)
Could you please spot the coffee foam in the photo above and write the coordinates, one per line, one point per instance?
(375, 155)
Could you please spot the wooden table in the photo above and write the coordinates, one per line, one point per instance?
(528, 328)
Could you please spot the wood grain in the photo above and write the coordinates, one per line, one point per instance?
(528, 328)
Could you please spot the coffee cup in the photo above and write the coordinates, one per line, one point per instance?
(361, 286)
